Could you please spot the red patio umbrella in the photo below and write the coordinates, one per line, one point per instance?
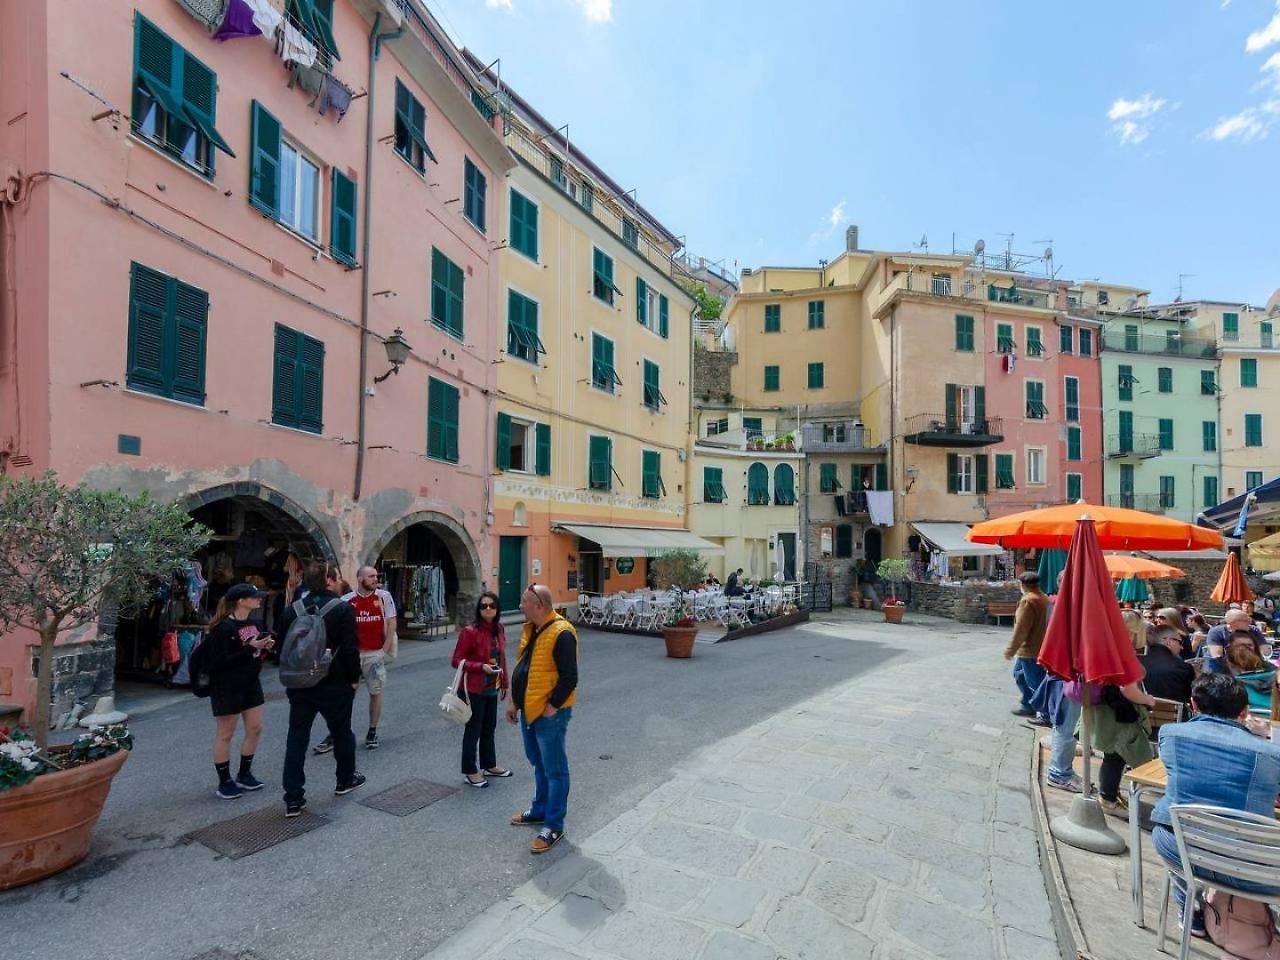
(1231, 586)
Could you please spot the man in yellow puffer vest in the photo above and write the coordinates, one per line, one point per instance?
(543, 690)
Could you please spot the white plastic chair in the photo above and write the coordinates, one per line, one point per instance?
(599, 611)
(1234, 844)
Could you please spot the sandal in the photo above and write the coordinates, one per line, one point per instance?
(475, 783)
(525, 820)
(496, 772)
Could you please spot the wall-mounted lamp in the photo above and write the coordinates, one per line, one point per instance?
(398, 351)
(913, 474)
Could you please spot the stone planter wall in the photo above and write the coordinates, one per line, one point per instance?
(965, 602)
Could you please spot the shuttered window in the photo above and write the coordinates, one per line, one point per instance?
(1209, 435)
(1231, 326)
(651, 486)
(1036, 409)
(1075, 487)
(817, 376)
(828, 481)
(1208, 383)
(964, 333)
(297, 387)
(442, 420)
(1126, 381)
(817, 314)
(1004, 338)
(542, 449)
(1166, 492)
(758, 485)
(1004, 471)
(1210, 491)
(264, 178)
(771, 379)
(1253, 429)
(1164, 379)
(1071, 390)
(411, 129)
(784, 485)
(1035, 346)
(1252, 479)
(713, 485)
(602, 276)
(653, 398)
(524, 225)
(844, 541)
(1066, 339)
(342, 219)
(1165, 426)
(1248, 372)
(664, 316)
(474, 188)
(522, 328)
(1086, 342)
(600, 464)
(315, 19)
(772, 317)
(1073, 443)
(168, 329)
(446, 294)
(603, 373)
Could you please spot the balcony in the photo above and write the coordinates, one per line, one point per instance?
(1146, 502)
(845, 436)
(936, 430)
(1178, 345)
(1018, 295)
(1136, 446)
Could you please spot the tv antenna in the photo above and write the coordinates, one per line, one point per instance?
(1181, 277)
(1008, 249)
(923, 244)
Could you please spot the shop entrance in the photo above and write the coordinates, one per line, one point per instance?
(872, 546)
(432, 570)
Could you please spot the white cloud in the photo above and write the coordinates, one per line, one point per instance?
(1272, 67)
(831, 221)
(1131, 118)
(494, 4)
(1250, 124)
(836, 216)
(1266, 37)
(597, 11)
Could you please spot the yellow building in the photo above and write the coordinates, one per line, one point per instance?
(592, 428)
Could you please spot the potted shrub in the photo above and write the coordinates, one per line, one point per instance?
(62, 551)
(789, 441)
(894, 572)
(682, 571)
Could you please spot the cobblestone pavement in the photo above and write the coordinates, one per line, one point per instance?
(886, 818)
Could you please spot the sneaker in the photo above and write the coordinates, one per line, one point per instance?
(1197, 925)
(1023, 712)
(545, 840)
(371, 740)
(1040, 722)
(293, 808)
(325, 745)
(1072, 784)
(1116, 808)
(344, 788)
(229, 790)
(247, 781)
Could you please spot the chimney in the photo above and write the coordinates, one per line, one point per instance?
(851, 238)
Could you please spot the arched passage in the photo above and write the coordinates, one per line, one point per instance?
(408, 554)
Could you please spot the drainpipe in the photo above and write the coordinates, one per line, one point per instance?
(375, 48)
(891, 446)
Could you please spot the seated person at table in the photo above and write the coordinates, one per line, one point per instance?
(1168, 675)
(733, 586)
(1215, 760)
(1216, 643)
(1172, 617)
(1199, 632)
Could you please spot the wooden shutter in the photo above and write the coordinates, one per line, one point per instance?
(451, 396)
(456, 282)
(504, 442)
(951, 404)
(148, 308)
(542, 448)
(284, 385)
(663, 315)
(153, 56)
(264, 176)
(474, 188)
(311, 374)
(342, 231)
(322, 18)
(981, 462)
(953, 472)
(980, 404)
(200, 98)
(642, 302)
(652, 474)
(191, 319)
(882, 477)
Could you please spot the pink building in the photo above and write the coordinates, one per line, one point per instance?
(201, 274)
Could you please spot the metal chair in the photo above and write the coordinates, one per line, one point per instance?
(1232, 843)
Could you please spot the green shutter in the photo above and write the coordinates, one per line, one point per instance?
(815, 376)
(1075, 487)
(297, 389)
(442, 420)
(652, 385)
(784, 485)
(599, 464)
(1004, 338)
(311, 401)
(758, 485)
(1230, 326)
(524, 225)
(1209, 435)
(184, 87)
(980, 405)
(663, 315)
(953, 472)
(284, 384)
(191, 318)
(542, 450)
(1073, 443)
(504, 442)
(148, 309)
(642, 302)
(342, 231)
(1166, 434)
(1248, 372)
(772, 380)
(828, 478)
(981, 462)
(1210, 491)
(1253, 429)
(713, 485)
(964, 333)
(772, 317)
(882, 477)
(951, 405)
(1164, 380)
(264, 178)
(475, 187)
(315, 17)
(446, 293)
(651, 469)
(1004, 471)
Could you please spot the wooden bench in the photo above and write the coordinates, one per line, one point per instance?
(998, 611)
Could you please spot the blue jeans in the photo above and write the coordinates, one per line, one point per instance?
(1163, 840)
(1028, 675)
(544, 746)
(1062, 744)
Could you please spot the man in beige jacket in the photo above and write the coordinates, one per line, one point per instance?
(1029, 626)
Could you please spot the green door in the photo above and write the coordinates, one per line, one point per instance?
(510, 572)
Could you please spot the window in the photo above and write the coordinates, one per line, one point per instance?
(652, 307)
(602, 276)
(844, 537)
(1086, 342)
(772, 318)
(1104, 298)
(442, 420)
(753, 426)
(1164, 380)
(653, 398)
(1166, 493)
(1073, 443)
(758, 485)
(651, 485)
(1248, 372)
(771, 379)
(939, 286)
(297, 387)
(966, 473)
(1252, 479)
(1035, 465)
(1265, 339)
(1253, 429)
(174, 99)
(1066, 339)
(1172, 341)
(474, 188)
(966, 408)
(817, 314)
(315, 19)
(600, 464)
(588, 197)
(446, 294)
(1166, 433)
(524, 225)
(523, 446)
(964, 333)
(1004, 471)
(715, 427)
(1209, 435)
(1035, 347)
(1126, 381)
(603, 374)
(1231, 326)
(1130, 336)
(784, 485)
(630, 233)
(522, 328)
(834, 433)
(342, 217)
(1075, 487)
(1071, 395)
(411, 129)
(1126, 432)
(1208, 383)
(1036, 409)
(168, 329)
(557, 174)
(816, 376)
(299, 191)
(1210, 491)
(828, 481)
(713, 485)
(1004, 338)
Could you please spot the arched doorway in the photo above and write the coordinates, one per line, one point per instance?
(432, 568)
(872, 545)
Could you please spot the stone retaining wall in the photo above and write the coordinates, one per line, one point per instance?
(966, 602)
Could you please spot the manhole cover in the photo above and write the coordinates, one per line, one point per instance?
(408, 797)
(254, 832)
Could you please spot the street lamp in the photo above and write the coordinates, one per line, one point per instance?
(398, 351)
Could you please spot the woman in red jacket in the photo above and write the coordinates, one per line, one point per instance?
(482, 651)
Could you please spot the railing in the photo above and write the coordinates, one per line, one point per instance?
(943, 426)
(1018, 295)
(1133, 445)
(815, 596)
(1179, 346)
(842, 437)
(1148, 502)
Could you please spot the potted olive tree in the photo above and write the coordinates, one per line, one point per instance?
(62, 551)
(894, 572)
(679, 571)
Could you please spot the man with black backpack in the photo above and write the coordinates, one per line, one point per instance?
(320, 669)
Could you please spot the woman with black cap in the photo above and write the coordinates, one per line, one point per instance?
(234, 661)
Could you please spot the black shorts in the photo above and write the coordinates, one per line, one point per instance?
(235, 700)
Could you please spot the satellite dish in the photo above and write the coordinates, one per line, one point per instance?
(1048, 253)
(979, 247)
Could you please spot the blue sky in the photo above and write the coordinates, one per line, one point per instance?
(1142, 138)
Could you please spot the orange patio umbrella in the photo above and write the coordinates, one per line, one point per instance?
(1231, 587)
(1117, 528)
(1122, 566)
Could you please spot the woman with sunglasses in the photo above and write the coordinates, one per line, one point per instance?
(482, 651)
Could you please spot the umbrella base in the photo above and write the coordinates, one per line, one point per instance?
(1085, 827)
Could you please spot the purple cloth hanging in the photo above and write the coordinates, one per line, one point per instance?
(238, 22)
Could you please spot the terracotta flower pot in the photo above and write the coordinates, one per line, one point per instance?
(46, 825)
(679, 641)
(893, 612)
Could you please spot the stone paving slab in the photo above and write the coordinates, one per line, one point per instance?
(857, 825)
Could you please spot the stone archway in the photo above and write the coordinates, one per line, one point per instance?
(462, 551)
(306, 527)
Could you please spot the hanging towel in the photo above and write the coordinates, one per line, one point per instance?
(880, 507)
(308, 78)
(293, 47)
(238, 22)
(334, 93)
(265, 17)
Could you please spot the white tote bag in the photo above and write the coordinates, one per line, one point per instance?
(453, 707)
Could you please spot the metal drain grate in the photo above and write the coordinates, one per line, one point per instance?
(408, 797)
(255, 831)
